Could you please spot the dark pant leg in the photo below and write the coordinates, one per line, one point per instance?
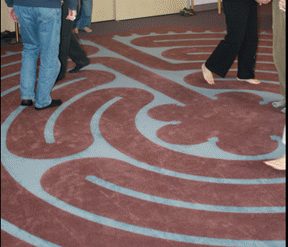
(65, 37)
(69, 45)
(248, 49)
(76, 52)
(224, 55)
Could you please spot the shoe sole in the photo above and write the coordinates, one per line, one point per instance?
(50, 106)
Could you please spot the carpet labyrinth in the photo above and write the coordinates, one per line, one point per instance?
(143, 152)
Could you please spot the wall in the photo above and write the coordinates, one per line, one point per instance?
(6, 23)
(104, 10)
(196, 2)
(129, 9)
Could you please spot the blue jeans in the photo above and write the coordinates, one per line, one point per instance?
(84, 15)
(40, 33)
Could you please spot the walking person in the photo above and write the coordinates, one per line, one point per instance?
(241, 40)
(69, 46)
(279, 48)
(83, 20)
(279, 55)
(40, 22)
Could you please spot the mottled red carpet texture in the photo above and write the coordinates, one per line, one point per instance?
(143, 152)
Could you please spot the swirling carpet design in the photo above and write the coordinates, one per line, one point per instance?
(143, 152)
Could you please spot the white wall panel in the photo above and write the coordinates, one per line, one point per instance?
(6, 23)
(103, 10)
(197, 2)
(129, 9)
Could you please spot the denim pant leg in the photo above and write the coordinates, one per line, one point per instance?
(49, 21)
(85, 14)
(31, 50)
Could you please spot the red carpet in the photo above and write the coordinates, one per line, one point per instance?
(143, 152)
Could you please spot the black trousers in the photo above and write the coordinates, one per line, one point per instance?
(69, 45)
(241, 40)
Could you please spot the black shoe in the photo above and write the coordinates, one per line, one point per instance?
(27, 102)
(78, 67)
(55, 102)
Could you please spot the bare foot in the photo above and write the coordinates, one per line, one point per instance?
(279, 164)
(207, 74)
(87, 29)
(251, 81)
(75, 30)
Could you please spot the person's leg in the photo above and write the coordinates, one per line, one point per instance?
(248, 49)
(65, 38)
(49, 21)
(77, 55)
(280, 163)
(86, 15)
(279, 49)
(30, 53)
(225, 53)
(78, 20)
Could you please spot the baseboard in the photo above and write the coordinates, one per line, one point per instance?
(203, 7)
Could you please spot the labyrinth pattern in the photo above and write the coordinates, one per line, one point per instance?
(143, 152)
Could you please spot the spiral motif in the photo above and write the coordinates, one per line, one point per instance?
(143, 152)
